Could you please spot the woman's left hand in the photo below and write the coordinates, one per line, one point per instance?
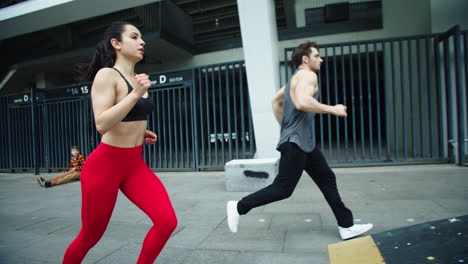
(150, 137)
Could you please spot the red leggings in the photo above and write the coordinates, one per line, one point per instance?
(107, 170)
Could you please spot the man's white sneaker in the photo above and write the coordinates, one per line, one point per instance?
(354, 230)
(232, 216)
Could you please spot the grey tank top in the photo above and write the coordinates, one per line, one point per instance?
(297, 125)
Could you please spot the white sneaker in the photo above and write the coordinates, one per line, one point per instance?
(232, 216)
(354, 230)
(39, 180)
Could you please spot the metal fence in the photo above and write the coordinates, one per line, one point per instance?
(452, 78)
(19, 132)
(406, 100)
(66, 123)
(202, 119)
(62, 123)
(392, 88)
(225, 127)
(172, 122)
(5, 160)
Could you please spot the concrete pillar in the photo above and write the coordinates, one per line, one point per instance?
(260, 42)
(40, 80)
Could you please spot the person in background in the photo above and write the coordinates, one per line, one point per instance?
(73, 173)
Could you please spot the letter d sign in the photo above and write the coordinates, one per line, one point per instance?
(162, 79)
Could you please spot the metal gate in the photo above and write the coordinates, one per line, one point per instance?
(406, 101)
(451, 51)
(66, 122)
(224, 126)
(202, 120)
(5, 160)
(20, 147)
(62, 123)
(172, 122)
(395, 110)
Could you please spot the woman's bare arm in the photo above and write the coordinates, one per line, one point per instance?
(107, 114)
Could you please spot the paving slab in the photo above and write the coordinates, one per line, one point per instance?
(38, 224)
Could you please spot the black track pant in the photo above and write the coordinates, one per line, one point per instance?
(292, 163)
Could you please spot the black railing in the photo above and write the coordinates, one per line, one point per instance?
(394, 89)
(202, 118)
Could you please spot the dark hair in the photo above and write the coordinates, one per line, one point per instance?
(75, 147)
(302, 50)
(105, 55)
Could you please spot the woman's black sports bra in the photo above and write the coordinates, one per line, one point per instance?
(142, 108)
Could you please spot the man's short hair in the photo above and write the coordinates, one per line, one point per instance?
(302, 50)
(75, 147)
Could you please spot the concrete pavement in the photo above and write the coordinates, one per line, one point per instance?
(37, 224)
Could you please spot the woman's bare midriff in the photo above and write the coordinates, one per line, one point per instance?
(126, 134)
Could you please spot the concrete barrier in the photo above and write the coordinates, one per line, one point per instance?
(248, 175)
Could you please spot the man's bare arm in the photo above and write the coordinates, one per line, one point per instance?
(304, 101)
(277, 104)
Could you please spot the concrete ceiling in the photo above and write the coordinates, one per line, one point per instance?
(62, 66)
(34, 15)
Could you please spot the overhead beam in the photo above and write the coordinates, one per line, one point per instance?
(16, 20)
(7, 78)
